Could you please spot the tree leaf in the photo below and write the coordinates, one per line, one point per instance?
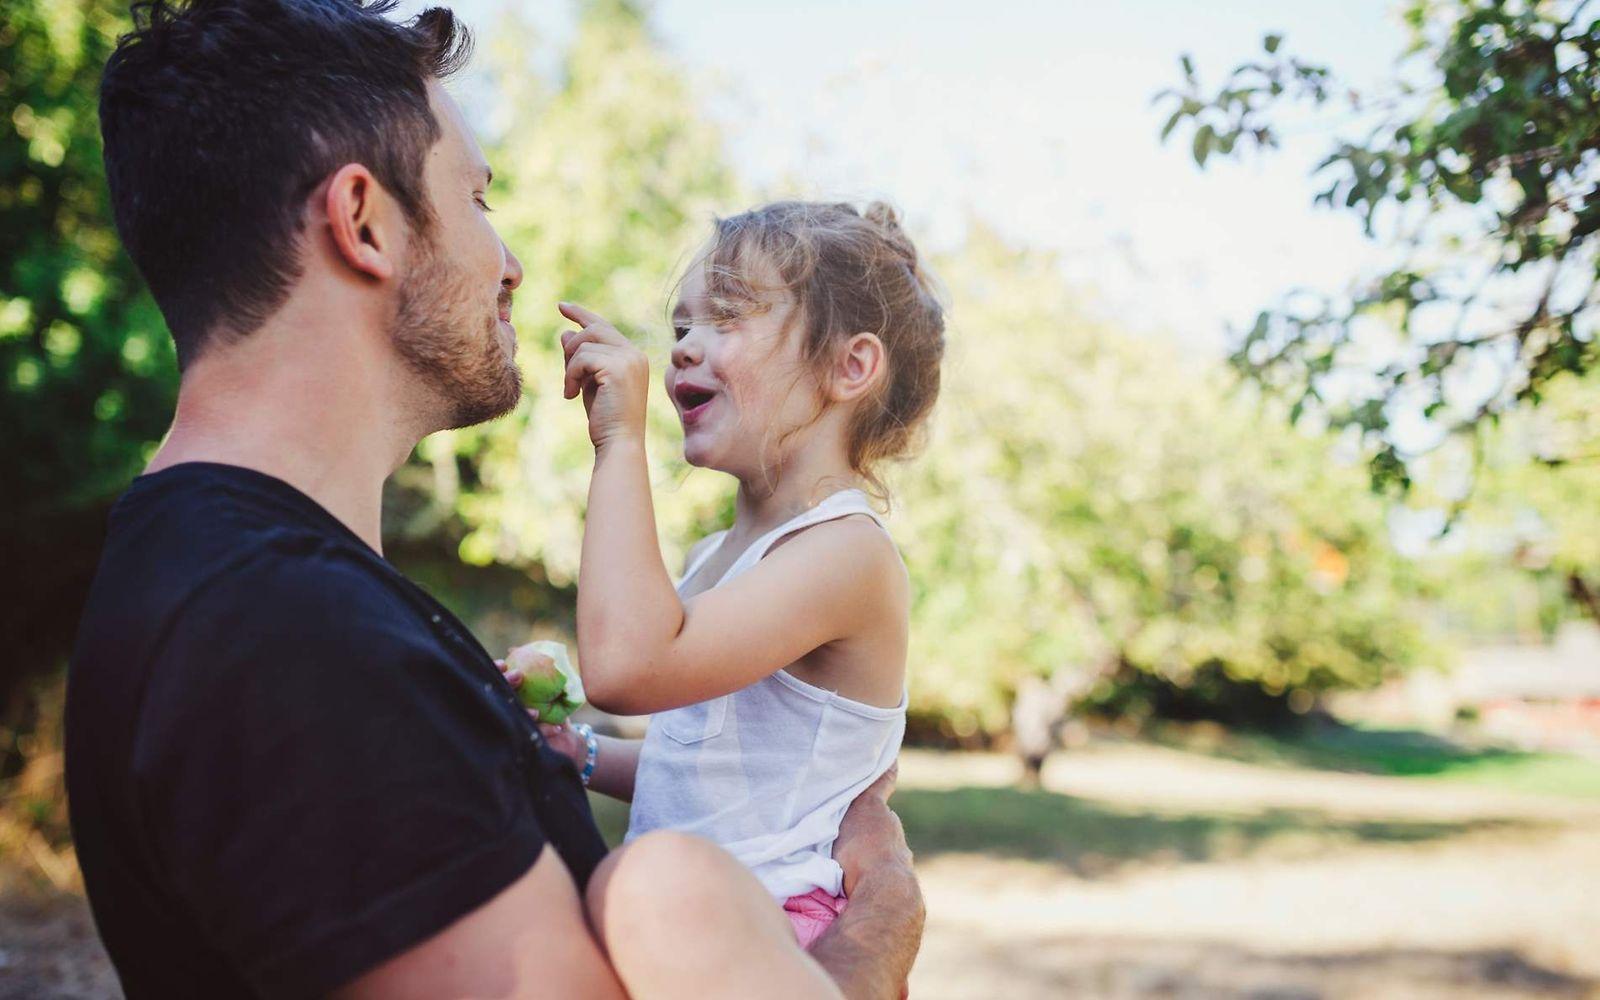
(1203, 138)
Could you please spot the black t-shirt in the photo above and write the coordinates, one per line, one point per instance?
(285, 762)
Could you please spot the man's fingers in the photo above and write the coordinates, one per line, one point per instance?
(884, 786)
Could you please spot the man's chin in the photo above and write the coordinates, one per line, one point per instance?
(490, 406)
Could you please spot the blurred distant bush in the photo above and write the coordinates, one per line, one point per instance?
(1100, 504)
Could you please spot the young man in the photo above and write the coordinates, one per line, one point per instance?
(291, 772)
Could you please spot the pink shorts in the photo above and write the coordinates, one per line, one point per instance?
(812, 913)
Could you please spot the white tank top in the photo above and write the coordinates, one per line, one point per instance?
(768, 771)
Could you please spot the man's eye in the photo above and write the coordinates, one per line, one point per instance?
(482, 203)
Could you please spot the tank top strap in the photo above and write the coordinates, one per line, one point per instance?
(841, 504)
(707, 550)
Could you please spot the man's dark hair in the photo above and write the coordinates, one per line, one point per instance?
(220, 117)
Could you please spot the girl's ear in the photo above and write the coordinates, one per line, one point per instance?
(361, 221)
(860, 364)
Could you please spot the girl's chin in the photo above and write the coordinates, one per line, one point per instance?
(704, 457)
(698, 455)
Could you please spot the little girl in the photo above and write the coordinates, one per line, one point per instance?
(807, 351)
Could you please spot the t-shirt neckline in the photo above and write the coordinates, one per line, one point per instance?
(250, 479)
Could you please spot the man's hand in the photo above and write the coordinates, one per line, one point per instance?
(871, 837)
(870, 948)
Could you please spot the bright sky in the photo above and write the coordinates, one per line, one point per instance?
(1036, 118)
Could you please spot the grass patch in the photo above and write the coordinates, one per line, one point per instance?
(1093, 839)
(1397, 753)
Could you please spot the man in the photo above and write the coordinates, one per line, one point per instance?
(291, 772)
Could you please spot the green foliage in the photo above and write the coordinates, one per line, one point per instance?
(1485, 170)
(1535, 502)
(85, 360)
(84, 354)
(1097, 504)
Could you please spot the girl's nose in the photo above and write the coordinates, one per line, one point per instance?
(687, 353)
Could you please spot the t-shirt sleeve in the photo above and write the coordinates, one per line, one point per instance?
(321, 784)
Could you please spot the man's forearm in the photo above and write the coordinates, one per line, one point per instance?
(870, 947)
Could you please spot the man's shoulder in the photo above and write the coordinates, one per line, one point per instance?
(302, 601)
(208, 585)
(198, 542)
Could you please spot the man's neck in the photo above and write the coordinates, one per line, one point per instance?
(327, 430)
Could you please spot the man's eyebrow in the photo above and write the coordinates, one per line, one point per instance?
(488, 175)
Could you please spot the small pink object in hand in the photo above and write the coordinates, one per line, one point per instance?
(812, 913)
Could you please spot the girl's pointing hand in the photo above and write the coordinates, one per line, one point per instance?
(612, 374)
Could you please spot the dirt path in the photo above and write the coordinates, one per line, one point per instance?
(1364, 887)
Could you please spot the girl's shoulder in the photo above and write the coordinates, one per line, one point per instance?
(857, 541)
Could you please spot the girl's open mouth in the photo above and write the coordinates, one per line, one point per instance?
(693, 401)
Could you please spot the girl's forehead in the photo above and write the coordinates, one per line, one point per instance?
(761, 291)
(693, 285)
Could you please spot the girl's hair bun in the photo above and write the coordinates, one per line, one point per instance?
(883, 215)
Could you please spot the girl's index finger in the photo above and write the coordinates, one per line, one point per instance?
(578, 314)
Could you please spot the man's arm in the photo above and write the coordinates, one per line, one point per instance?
(869, 949)
(529, 941)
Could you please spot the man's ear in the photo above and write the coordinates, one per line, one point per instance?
(363, 221)
(859, 365)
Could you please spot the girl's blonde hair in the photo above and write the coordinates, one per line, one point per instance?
(850, 272)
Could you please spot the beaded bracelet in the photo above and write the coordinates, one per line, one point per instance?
(591, 750)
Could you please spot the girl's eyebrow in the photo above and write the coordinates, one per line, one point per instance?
(680, 312)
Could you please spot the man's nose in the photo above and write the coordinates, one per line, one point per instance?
(511, 277)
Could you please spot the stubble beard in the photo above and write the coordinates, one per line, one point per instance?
(444, 338)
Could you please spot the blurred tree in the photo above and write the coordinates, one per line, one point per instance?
(1536, 503)
(87, 365)
(1095, 503)
(1480, 161)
